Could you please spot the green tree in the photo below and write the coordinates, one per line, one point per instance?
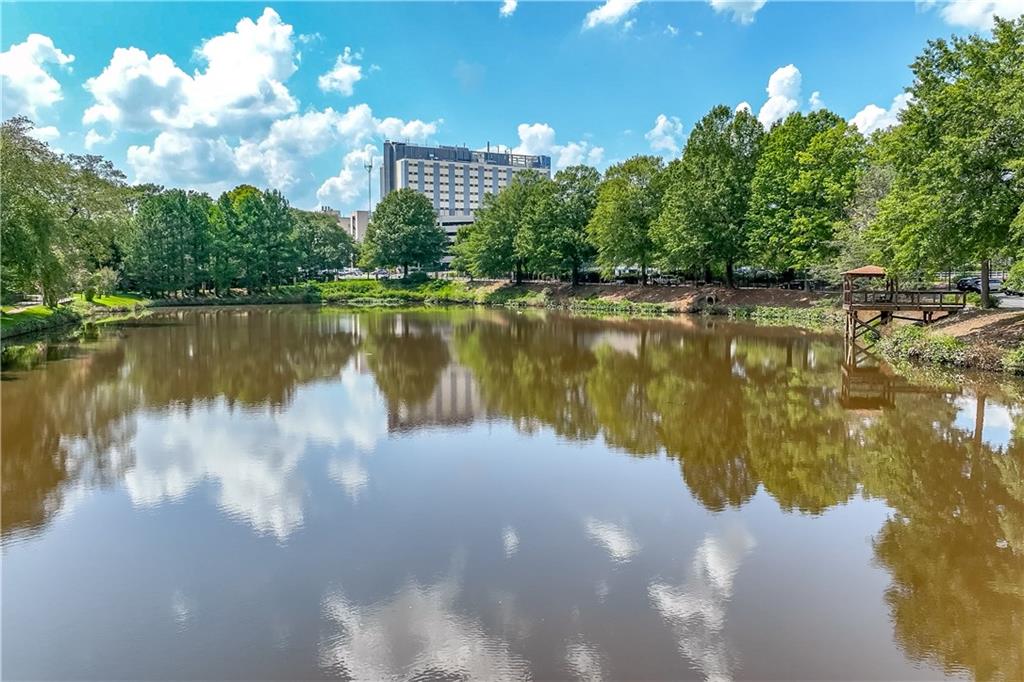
(260, 226)
(704, 215)
(58, 214)
(320, 243)
(853, 246)
(226, 262)
(168, 250)
(402, 232)
(628, 203)
(805, 176)
(556, 237)
(958, 155)
(501, 239)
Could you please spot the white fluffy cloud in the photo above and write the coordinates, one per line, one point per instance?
(26, 84)
(137, 92)
(45, 133)
(413, 131)
(539, 139)
(873, 117)
(611, 12)
(275, 158)
(344, 75)
(241, 87)
(535, 138)
(744, 106)
(783, 95)
(93, 138)
(816, 101)
(233, 119)
(977, 14)
(178, 158)
(575, 153)
(290, 140)
(508, 7)
(742, 11)
(343, 188)
(666, 135)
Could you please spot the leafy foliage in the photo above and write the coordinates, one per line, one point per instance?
(57, 214)
(403, 232)
(628, 203)
(556, 242)
(957, 155)
(510, 229)
(805, 176)
(704, 217)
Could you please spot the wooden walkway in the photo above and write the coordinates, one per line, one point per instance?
(867, 309)
(900, 300)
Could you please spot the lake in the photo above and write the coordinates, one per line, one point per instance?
(296, 492)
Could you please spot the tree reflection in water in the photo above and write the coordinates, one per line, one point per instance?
(739, 408)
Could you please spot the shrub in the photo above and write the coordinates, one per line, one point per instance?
(1013, 361)
(974, 300)
(914, 343)
(101, 283)
(417, 278)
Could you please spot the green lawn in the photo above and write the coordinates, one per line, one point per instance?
(36, 312)
(32, 319)
(120, 300)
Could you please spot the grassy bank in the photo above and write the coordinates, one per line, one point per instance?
(37, 319)
(823, 315)
(933, 347)
(40, 318)
(918, 344)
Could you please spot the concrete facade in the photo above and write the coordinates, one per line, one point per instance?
(455, 179)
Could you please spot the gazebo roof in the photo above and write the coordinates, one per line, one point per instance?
(865, 271)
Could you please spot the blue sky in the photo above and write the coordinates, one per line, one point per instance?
(300, 95)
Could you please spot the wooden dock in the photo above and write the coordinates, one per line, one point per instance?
(869, 308)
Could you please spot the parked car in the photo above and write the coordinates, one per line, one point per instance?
(994, 285)
(967, 283)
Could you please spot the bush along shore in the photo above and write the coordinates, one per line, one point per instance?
(973, 340)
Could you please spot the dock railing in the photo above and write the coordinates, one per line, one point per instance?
(910, 299)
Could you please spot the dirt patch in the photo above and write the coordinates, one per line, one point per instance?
(988, 333)
(679, 298)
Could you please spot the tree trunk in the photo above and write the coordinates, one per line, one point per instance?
(519, 273)
(707, 274)
(730, 280)
(575, 275)
(979, 419)
(643, 274)
(405, 271)
(985, 296)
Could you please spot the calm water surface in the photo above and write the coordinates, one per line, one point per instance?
(300, 493)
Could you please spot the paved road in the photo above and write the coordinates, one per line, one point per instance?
(1011, 302)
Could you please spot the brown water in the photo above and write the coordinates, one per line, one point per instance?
(299, 493)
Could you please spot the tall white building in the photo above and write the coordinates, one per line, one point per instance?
(455, 179)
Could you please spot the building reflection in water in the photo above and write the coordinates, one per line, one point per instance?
(241, 399)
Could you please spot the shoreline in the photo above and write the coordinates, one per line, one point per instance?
(991, 341)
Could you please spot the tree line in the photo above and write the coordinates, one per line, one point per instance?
(70, 222)
(941, 190)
